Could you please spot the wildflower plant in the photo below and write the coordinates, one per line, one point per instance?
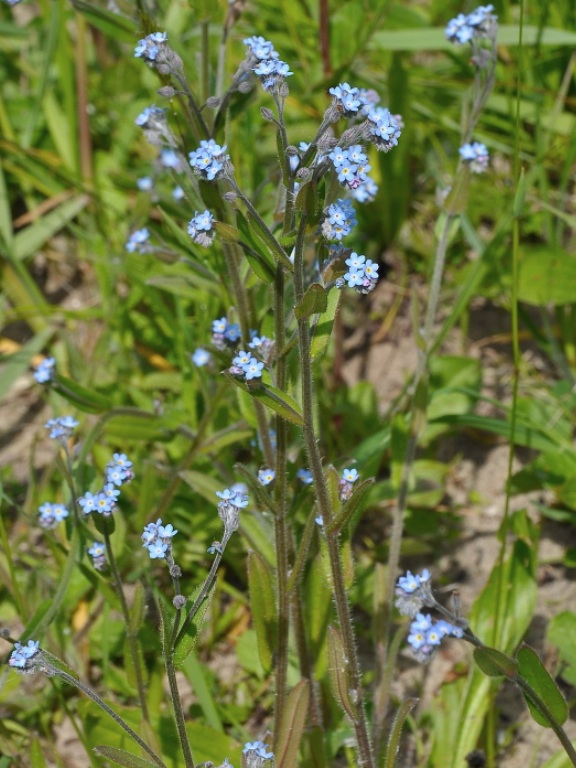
(276, 274)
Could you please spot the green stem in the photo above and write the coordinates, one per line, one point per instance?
(175, 696)
(52, 670)
(129, 632)
(365, 758)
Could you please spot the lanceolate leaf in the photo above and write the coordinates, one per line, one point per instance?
(121, 757)
(531, 669)
(339, 673)
(494, 663)
(294, 720)
(279, 402)
(314, 301)
(263, 604)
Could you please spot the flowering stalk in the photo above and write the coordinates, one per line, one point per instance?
(130, 634)
(365, 758)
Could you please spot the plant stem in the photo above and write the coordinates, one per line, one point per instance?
(129, 632)
(102, 704)
(365, 757)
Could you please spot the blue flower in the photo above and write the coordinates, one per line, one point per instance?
(51, 514)
(119, 469)
(157, 539)
(232, 332)
(208, 161)
(200, 357)
(413, 592)
(88, 502)
(149, 48)
(272, 73)
(259, 748)
(178, 194)
(61, 428)
(476, 155)
(138, 241)
(170, 159)
(266, 476)
(384, 128)
(145, 183)
(366, 192)
(242, 358)
(253, 369)
(201, 228)
(305, 476)
(216, 546)
(23, 657)
(348, 100)
(479, 24)
(97, 549)
(260, 48)
(339, 219)
(44, 371)
(152, 118)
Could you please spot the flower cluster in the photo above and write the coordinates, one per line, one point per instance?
(346, 483)
(479, 24)
(366, 192)
(255, 754)
(476, 155)
(44, 371)
(98, 554)
(51, 515)
(348, 100)
(270, 70)
(339, 218)
(232, 500)
(426, 635)
(266, 476)
(12, 2)
(118, 472)
(138, 241)
(384, 128)
(24, 657)
(362, 274)
(247, 366)
(225, 334)
(413, 592)
(61, 428)
(157, 539)
(201, 228)
(151, 46)
(351, 165)
(208, 161)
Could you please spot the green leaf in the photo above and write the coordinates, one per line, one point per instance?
(547, 275)
(137, 425)
(279, 402)
(350, 507)
(263, 605)
(18, 363)
(533, 671)
(32, 238)
(81, 397)
(494, 663)
(114, 25)
(136, 611)
(314, 301)
(561, 632)
(393, 744)
(121, 757)
(457, 200)
(294, 721)
(340, 679)
(324, 324)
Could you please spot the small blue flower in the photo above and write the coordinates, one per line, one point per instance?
(272, 73)
(171, 159)
(266, 476)
(349, 100)
(22, 658)
(479, 24)
(119, 470)
(305, 476)
(97, 549)
(216, 546)
(200, 357)
(201, 228)
(44, 371)
(208, 161)
(242, 358)
(149, 48)
(476, 155)
(260, 48)
(138, 241)
(350, 475)
(178, 194)
(51, 514)
(232, 332)
(253, 369)
(339, 219)
(366, 192)
(152, 118)
(384, 128)
(145, 183)
(157, 549)
(61, 428)
(88, 502)
(157, 539)
(259, 748)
